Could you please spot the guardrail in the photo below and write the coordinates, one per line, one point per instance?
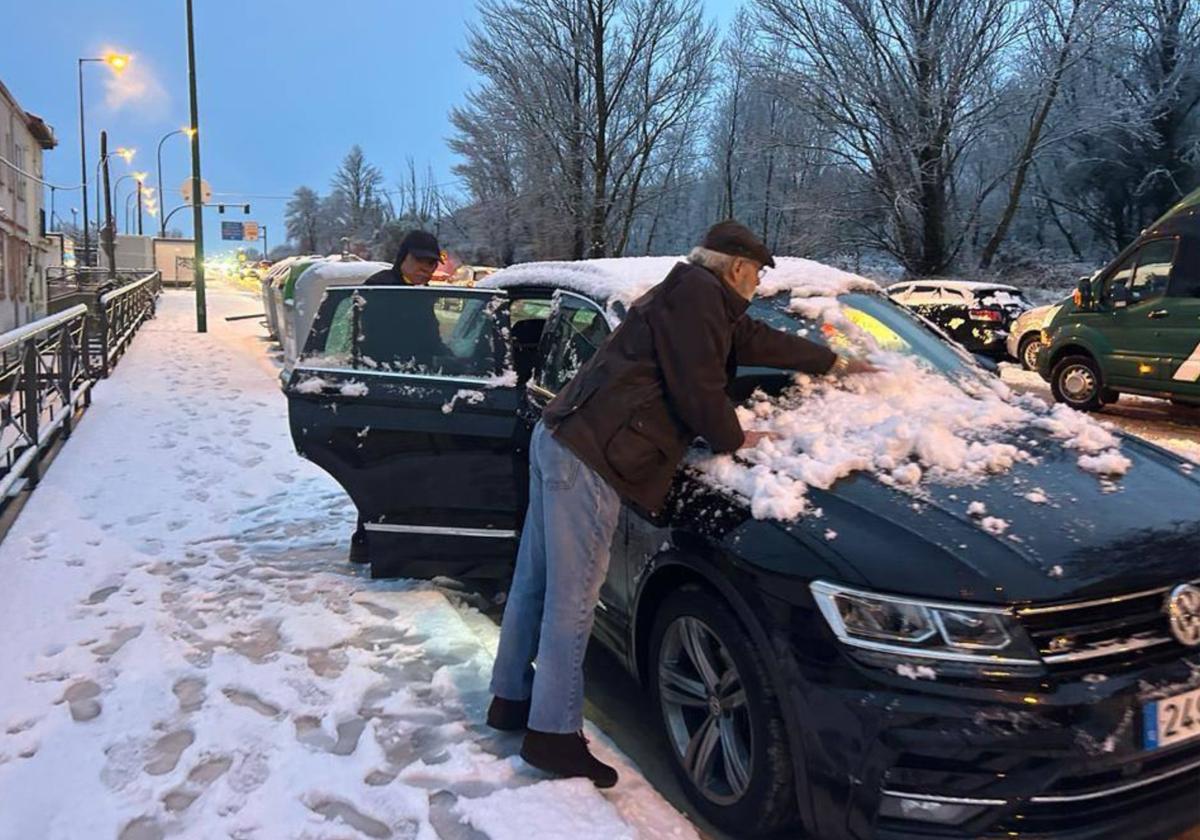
(47, 371)
(122, 311)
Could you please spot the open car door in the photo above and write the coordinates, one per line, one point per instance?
(406, 397)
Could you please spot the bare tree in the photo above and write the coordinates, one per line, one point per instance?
(903, 88)
(1061, 33)
(591, 89)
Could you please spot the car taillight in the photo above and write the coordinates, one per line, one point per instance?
(987, 315)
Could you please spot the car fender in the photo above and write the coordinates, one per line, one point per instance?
(1074, 335)
(709, 572)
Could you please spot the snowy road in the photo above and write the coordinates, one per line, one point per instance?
(1172, 427)
(187, 653)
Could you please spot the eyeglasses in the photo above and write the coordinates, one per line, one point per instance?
(762, 272)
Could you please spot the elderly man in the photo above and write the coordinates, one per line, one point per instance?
(617, 432)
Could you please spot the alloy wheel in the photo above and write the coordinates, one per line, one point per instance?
(1030, 354)
(704, 705)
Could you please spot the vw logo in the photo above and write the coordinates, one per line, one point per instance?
(1183, 611)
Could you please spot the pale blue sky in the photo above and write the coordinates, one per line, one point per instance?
(285, 88)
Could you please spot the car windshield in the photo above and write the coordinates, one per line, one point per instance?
(860, 324)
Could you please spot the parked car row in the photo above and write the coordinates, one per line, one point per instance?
(1131, 328)
(858, 671)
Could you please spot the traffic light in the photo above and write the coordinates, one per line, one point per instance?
(245, 208)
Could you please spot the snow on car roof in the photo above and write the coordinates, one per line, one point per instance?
(963, 285)
(625, 279)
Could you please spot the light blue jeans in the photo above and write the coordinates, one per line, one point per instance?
(561, 564)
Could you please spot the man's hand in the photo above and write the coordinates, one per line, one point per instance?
(846, 365)
(753, 437)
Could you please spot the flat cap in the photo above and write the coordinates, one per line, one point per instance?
(737, 240)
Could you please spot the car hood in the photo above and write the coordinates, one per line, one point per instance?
(1066, 533)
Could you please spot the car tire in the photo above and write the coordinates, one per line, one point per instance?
(1076, 381)
(755, 793)
(1027, 351)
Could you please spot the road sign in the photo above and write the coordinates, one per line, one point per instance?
(233, 230)
(205, 191)
(250, 231)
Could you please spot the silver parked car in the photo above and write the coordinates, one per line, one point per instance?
(1025, 335)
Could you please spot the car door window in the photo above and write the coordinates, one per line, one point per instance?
(406, 331)
(1154, 261)
(1119, 278)
(578, 328)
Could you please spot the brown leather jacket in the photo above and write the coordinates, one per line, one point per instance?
(659, 381)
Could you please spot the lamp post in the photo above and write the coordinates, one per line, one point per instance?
(263, 228)
(117, 62)
(121, 152)
(197, 199)
(190, 132)
(115, 194)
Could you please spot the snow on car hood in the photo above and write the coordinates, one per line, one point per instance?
(908, 426)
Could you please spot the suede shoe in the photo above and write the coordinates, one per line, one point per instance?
(508, 715)
(358, 548)
(566, 756)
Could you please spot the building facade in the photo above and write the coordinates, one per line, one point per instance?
(25, 250)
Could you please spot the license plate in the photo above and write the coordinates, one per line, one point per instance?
(1171, 720)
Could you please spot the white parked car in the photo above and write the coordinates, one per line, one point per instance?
(1025, 334)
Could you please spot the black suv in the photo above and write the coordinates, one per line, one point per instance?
(917, 676)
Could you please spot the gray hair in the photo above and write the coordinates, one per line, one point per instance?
(714, 261)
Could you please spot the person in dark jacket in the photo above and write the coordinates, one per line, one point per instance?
(617, 432)
(416, 260)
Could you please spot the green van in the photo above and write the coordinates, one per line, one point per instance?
(1134, 326)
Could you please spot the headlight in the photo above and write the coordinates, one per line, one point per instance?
(919, 629)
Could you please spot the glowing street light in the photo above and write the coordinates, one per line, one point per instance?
(117, 62)
(126, 153)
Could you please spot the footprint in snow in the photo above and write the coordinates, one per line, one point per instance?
(143, 828)
(189, 691)
(199, 778)
(121, 637)
(167, 750)
(81, 701)
(252, 701)
(338, 810)
(101, 595)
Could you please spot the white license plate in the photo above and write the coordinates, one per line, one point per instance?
(1171, 720)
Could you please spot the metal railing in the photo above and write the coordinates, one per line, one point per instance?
(122, 311)
(48, 369)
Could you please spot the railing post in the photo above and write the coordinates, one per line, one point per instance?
(32, 403)
(85, 351)
(65, 384)
(103, 340)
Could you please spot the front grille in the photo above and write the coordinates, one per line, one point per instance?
(1168, 782)
(1112, 634)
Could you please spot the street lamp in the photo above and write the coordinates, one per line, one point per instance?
(117, 62)
(121, 152)
(190, 132)
(117, 186)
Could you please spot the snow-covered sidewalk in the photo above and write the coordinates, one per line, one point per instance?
(186, 652)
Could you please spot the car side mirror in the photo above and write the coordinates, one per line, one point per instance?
(1083, 293)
